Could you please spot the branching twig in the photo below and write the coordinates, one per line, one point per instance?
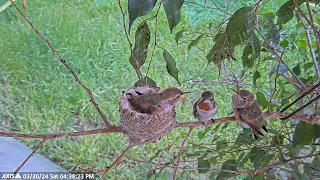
(139, 74)
(117, 161)
(89, 92)
(180, 152)
(30, 155)
(63, 135)
(155, 39)
(279, 163)
(279, 58)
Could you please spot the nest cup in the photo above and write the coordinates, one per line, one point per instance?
(144, 128)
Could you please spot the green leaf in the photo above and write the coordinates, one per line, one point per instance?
(307, 66)
(284, 43)
(171, 65)
(244, 136)
(302, 43)
(240, 25)
(274, 34)
(251, 51)
(194, 42)
(221, 145)
(178, 36)
(203, 166)
(220, 37)
(227, 165)
(145, 81)
(137, 8)
(303, 134)
(256, 76)
(172, 9)
(267, 159)
(285, 12)
(257, 156)
(221, 50)
(296, 69)
(261, 99)
(140, 50)
(316, 134)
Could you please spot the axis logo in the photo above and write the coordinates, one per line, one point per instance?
(10, 176)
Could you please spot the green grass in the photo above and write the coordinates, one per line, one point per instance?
(39, 95)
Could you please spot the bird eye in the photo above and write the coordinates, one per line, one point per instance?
(177, 96)
(244, 98)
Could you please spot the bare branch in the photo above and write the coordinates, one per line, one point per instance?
(180, 152)
(139, 74)
(116, 129)
(116, 162)
(30, 155)
(279, 58)
(89, 92)
(155, 39)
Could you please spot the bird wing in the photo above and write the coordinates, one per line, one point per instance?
(246, 115)
(141, 104)
(195, 112)
(236, 112)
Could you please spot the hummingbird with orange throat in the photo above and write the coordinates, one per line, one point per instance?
(205, 108)
(156, 103)
(247, 112)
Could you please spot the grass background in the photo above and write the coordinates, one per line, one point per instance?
(39, 95)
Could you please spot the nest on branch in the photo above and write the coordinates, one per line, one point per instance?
(140, 127)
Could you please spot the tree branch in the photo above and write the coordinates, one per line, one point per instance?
(116, 162)
(89, 92)
(116, 129)
(180, 152)
(139, 74)
(30, 155)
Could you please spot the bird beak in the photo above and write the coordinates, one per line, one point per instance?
(187, 92)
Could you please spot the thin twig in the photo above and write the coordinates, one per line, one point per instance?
(300, 97)
(63, 135)
(116, 162)
(89, 92)
(274, 88)
(312, 53)
(30, 155)
(180, 153)
(139, 74)
(155, 39)
(279, 58)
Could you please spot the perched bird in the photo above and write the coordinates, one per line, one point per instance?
(156, 103)
(205, 108)
(248, 113)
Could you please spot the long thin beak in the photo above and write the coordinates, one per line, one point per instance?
(187, 92)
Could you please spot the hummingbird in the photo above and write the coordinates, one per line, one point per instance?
(157, 102)
(247, 112)
(205, 108)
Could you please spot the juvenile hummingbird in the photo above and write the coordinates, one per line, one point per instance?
(156, 103)
(247, 112)
(205, 108)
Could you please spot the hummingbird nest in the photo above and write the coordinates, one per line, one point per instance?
(140, 127)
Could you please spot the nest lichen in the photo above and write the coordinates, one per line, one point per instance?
(140, 127)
